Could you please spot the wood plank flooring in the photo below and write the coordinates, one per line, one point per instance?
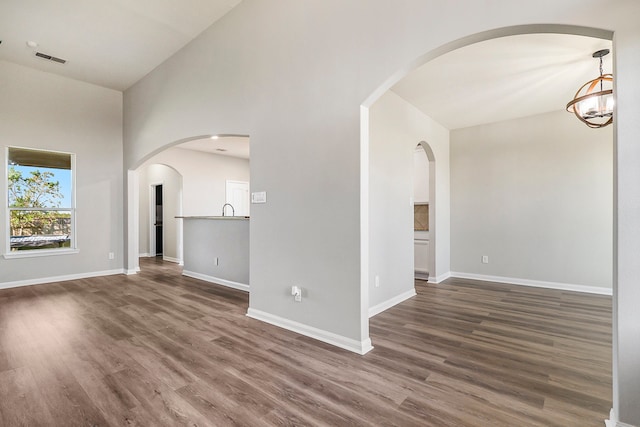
(160, 349)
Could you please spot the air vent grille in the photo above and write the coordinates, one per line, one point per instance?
(50, 58)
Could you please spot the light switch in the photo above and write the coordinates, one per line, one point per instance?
(259, 197)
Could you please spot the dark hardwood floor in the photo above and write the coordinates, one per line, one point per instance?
(160, 349)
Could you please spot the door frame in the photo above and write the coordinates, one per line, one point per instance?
(226, 193)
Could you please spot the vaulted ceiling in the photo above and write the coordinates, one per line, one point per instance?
(503, 78)
(114, 43)
(111, 43)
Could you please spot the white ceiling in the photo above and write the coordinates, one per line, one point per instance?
(232, 146)
(111, 43)
(503, 78)
(114, 43)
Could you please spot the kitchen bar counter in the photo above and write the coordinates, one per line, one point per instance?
(216, 249)
(212, 217)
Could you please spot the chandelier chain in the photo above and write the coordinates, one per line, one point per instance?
(601, 73)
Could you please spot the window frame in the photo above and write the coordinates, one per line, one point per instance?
(73, 247)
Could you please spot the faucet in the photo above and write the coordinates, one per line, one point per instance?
(233, 211)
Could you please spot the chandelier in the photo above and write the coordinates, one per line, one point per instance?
(593, 102)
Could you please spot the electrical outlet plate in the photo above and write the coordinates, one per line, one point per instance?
(485, 259)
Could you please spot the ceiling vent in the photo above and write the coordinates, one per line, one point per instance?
(50, 58)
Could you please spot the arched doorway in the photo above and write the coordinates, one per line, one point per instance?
(425, 234)
(438, 139)
(389, 102)
(160, 202)
(203, 193)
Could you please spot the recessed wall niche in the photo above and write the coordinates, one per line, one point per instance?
(421, 217)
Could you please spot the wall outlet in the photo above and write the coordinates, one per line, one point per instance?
(377, 281)
(485, 259)
(112, 255)
(216, 261)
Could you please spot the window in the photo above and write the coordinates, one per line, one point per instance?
(40, 202)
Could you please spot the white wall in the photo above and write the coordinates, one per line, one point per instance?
(44, 111)
(626, 292)
(172, 185)
(536, 196)
(271, 70)
(203, 177)
(395, 128)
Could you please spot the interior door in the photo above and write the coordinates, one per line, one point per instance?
(237, 194)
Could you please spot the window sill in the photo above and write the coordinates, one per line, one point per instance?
(39, 253)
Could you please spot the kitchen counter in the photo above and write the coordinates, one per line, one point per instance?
(217, 251)
(420, 235)
(211, 217)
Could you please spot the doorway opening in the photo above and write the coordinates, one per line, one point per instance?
(424, 218)
(156, 218)
(194, 177)
(160, 202)
(397, 112)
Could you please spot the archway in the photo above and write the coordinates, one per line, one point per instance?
(365, 141)
(134, 195)
(425, 149)
(160, 198)
(367, 111)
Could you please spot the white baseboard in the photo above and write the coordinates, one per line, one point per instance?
(144, 255)
(130, 272)
(43, 280)
(441, 278)
(216, 280)
(535, 283)
(360, 347)
(613, 421)
(171, 259)
(379, 308)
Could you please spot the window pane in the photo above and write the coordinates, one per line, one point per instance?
(39, 179)
(40, 229)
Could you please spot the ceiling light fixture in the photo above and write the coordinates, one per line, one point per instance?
(592, 106)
